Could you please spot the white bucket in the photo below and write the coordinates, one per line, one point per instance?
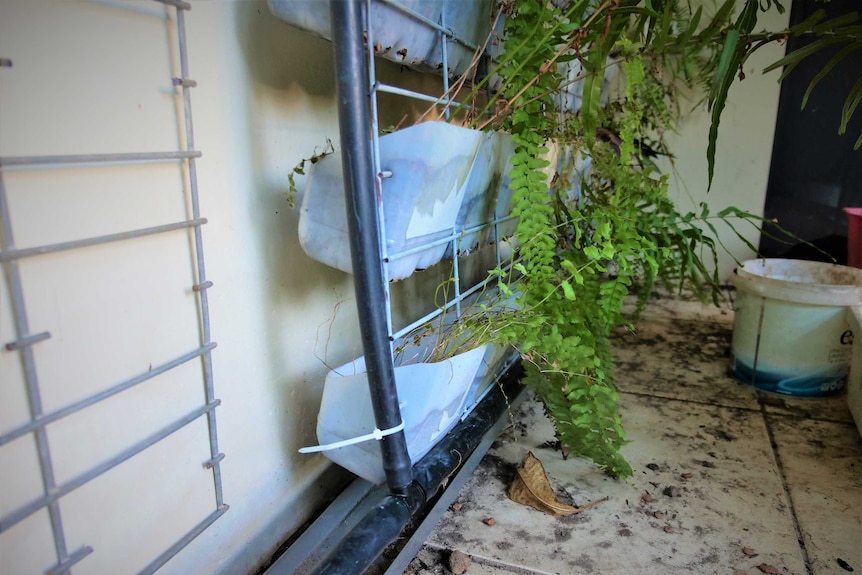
(791, 333)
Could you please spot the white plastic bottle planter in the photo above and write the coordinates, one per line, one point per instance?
(433, 397)
(488, 196)
(429, 163)
(400, 37)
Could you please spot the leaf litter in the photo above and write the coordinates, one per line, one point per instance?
(532, 487)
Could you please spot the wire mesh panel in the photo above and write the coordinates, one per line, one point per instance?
(488, 227)
(81, 292)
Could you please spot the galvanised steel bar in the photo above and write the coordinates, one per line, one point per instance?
(31, 380)
(74, 558)
(10, 254)
(178, 4)
(59, 491)
(441, 101)
(380, 174)
(456, 240)
(159, 561)
(444, 46)
(29, 340)
(431, 24)
(45, 419)
(449, 238)
(31, 161)
(199, 258)
(445, 307)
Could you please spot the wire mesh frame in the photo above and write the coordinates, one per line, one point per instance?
(39, 420)
(454, 238)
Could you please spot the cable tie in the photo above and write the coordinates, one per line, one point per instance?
(377, 434)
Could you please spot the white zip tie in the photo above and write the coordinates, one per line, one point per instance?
(376, 434)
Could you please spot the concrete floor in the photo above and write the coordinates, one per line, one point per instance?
(727, 480)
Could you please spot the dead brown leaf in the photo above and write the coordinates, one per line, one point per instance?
(533, 488)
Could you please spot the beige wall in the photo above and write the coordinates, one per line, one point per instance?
(743, 152)
(94, 77)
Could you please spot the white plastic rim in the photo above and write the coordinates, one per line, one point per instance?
(798, 281)
(790, 332)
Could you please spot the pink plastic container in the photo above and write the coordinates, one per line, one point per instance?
(854, 237)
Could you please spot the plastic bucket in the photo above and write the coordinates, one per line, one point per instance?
(854, 237)
(791, 333)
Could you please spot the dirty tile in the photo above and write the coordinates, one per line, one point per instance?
(663, 305)
(823, 408)
(823, 466)
(679, 359)
(434, 560)
(705, 487)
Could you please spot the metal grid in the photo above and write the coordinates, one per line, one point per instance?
(25, 339)
(454, 238)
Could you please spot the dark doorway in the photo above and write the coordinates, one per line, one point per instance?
(814, 171)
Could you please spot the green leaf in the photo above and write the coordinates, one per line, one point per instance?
(850, 104)
(685, 38)
(748, 17)
(730, 58)
(568, 291)
(835, 23)
(807, 24)
(847, 50)
(718, 21)
(590, 102)
(791, 60)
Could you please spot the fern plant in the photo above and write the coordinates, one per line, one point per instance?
(581, 251)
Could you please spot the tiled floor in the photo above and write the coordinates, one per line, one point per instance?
(727, 481)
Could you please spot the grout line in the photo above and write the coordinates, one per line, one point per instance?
(783, 474)
(481, 560)
(693, 401)
(760, 408)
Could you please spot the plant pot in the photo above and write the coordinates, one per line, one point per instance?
(402, 38)
(790, 330)
(430, 164)
(433, 397)
(488, 194)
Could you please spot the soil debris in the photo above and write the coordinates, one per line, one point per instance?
(770, 569)
(844, 564)
(653, 466)
(459, 562)
(457, 506)
(668, 529)
(489, 521)
(687, 475)
(658, 515)
(672, 491)
(749, 551)
(646, 498)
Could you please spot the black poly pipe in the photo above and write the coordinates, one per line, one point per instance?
(360, 190)
(384, 523)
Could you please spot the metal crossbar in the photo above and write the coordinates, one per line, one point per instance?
(446, 35)
(25, 340)
(32, 161)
